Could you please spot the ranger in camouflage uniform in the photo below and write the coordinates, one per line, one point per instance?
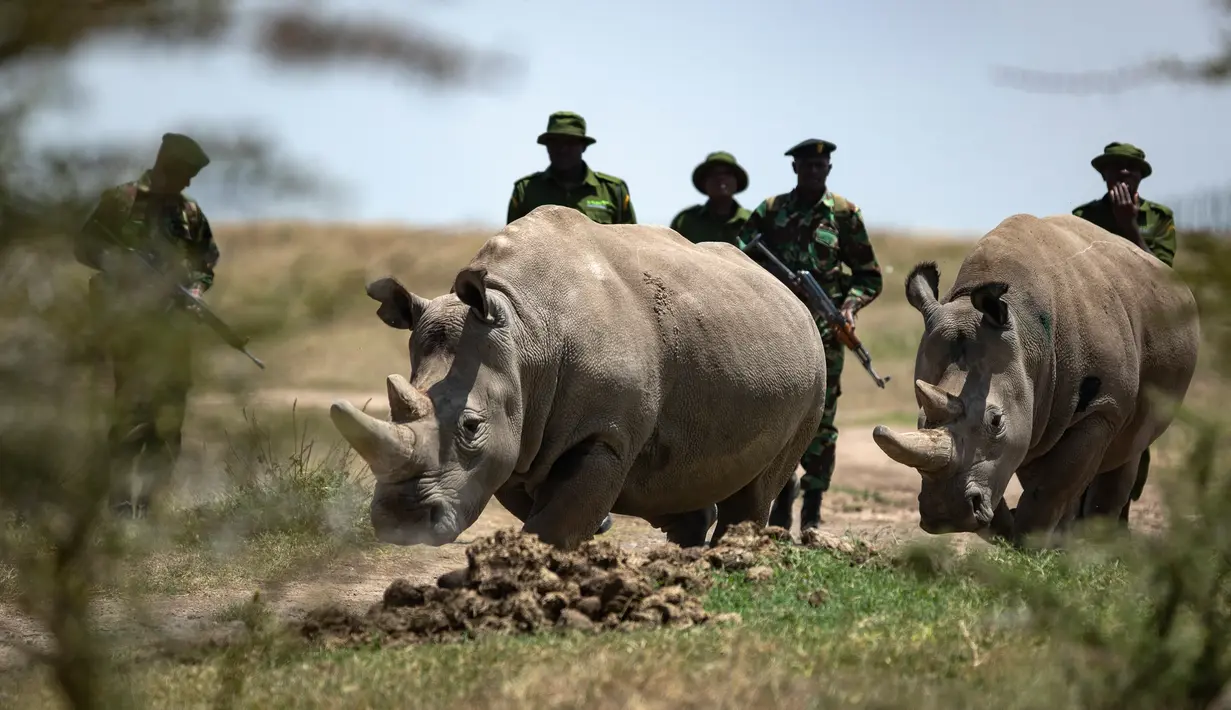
(722, 217)
(1149, 225)
(569, 181)
(813, 228)
(140, 325)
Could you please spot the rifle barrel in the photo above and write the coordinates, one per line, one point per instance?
(202, 310)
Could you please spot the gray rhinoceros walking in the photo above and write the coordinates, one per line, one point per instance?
(1044, 358)
(577, 369)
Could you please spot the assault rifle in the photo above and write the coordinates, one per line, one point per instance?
(202, 311)
(819, 302)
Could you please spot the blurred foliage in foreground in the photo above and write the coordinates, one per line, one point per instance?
(58, 544)
(1162, 645)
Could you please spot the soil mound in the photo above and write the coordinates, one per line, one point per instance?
(514, 583)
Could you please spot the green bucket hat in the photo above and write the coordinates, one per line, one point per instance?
(566, 123)
(182, 149)
(720, 157)
(1115, 151)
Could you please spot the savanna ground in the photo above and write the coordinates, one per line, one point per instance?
(269, 501)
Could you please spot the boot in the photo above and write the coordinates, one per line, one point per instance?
(781, 515)
(810, 512)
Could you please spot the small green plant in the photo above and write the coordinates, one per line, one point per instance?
(299, 493)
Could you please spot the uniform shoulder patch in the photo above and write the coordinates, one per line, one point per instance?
(841, 204)
(1084, 206)
(123, 194)
(609, 178)
(775, 199)
(1162, 208)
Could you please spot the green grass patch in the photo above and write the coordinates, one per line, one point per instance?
(824, 626)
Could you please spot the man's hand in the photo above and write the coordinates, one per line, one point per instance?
(848, 312)
(1122, 206)
(1124, 212)
(196, 291)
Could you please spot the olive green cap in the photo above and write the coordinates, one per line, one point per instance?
(1115, 151)
(567, 124)
(719, 157)
(812, 146)
(182, 149)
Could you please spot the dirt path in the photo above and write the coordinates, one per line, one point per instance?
(870, 495)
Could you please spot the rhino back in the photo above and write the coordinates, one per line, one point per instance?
(1097, 316)
(693, 351)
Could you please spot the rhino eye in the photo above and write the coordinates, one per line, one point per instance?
(471, 423)
(996, 419)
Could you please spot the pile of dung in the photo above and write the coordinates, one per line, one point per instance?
(515, 584)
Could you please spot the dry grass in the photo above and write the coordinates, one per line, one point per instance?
(330, 338)
(881, 638)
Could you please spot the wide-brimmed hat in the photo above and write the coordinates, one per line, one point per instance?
(1122, 152)
(719, 157)
(566, 124)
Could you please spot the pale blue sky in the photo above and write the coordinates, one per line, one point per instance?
(925, 140)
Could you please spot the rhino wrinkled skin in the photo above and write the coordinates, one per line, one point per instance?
(1058, 354)
(577, 369)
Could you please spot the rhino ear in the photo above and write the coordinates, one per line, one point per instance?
(399, 308)
(988, 299)
(471, 289)
(923, 287)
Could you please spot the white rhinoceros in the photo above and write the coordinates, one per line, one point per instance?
(576, 369)
(1042, 359)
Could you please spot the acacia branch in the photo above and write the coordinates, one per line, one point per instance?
(1214, 70)
(298, 38)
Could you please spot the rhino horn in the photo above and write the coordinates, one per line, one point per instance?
(385, 446)
(406, 403)
(930, 451)
(938, 405)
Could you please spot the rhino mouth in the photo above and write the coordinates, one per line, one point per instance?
(431, 524)
(980, 505)
(964, 511)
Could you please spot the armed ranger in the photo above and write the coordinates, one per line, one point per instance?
(819, 303)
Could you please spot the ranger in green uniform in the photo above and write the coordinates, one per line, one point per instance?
(721, 218)
(569, 181)
(1122, 211)
(140, 325)
(1149, 225)
(813, 228)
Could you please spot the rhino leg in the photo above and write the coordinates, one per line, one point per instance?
(577, 495)
(755, 500)
(1110, 491)
(780, 513)
(1052, 482)
(687, 529)
(516, 500)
